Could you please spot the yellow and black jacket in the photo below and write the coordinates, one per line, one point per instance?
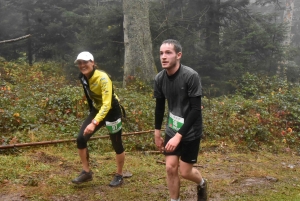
(99, 93)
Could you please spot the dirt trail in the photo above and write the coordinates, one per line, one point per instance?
(232, 175)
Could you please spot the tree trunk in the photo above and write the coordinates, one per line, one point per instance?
(138, 61)
(288, 18)
(29, 50)
(213, 26)
(212, 41)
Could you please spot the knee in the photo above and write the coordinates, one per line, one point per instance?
(171, 169)
(184, 173)
(81, 142)
(119, 149)
(116, 141)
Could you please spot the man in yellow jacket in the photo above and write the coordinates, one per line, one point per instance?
(104, 110)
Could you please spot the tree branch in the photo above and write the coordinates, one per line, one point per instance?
(194, 165)
(16, 39)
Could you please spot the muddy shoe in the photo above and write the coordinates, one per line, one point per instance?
(202, 192)
(117, 181)
(83, 177)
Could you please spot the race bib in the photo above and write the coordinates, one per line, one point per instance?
(175, 122)
(114, 127)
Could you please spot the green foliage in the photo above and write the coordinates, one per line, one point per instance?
(263, 111)
(137, 99)
(37, 104)
(38, 95)
(254, 85)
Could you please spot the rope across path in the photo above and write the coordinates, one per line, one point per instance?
(67, 140)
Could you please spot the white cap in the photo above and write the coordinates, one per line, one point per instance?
(85, 56)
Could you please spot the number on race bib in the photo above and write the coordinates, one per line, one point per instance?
(175, 122)
(114, 127)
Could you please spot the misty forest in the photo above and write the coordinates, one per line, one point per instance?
(247, 53)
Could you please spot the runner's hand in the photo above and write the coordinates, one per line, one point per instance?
(159, 141)
(173, 143)
(89, 129)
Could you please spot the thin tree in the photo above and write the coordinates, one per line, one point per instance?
(288, 18)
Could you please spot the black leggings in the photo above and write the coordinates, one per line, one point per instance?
(115, 138)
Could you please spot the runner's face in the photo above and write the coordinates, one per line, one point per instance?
(168, 57)
(85, 67)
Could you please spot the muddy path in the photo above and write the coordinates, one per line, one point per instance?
(232, 175)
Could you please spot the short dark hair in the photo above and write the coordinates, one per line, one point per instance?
(177, 46)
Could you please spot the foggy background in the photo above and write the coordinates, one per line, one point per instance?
(222, 39)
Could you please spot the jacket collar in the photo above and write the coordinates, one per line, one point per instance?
(81, 75)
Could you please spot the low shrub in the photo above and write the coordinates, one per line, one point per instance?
(37, 103)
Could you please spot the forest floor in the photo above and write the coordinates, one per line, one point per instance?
(45, 173)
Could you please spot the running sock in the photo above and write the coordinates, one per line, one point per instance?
(175, 199)
(202, 182)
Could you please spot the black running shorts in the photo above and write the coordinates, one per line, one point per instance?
(186, 150)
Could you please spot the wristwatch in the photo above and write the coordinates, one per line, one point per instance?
(95, 122)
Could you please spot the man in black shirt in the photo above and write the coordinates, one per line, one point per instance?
(181, 87)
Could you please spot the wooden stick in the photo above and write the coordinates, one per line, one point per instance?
(195, 165)
(151, 152)
(67, 140)
(16, 39)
